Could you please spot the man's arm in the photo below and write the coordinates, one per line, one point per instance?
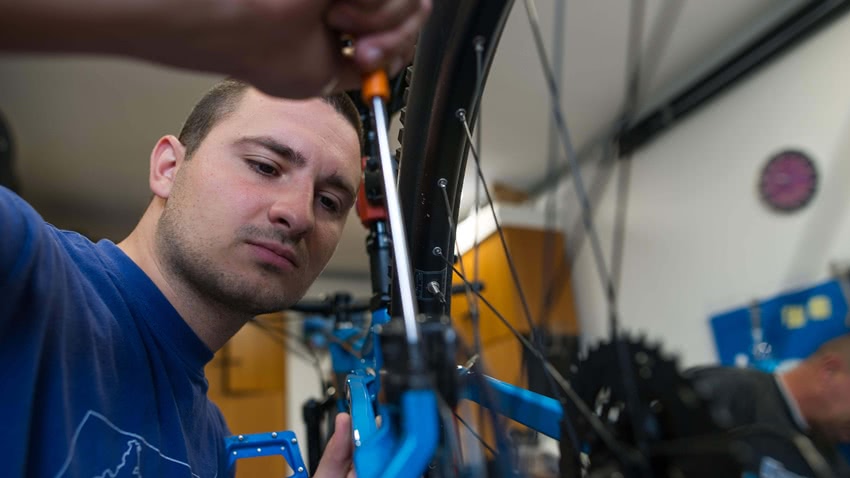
(284, 47)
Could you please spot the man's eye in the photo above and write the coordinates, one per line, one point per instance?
(263, 168)
(329, 203)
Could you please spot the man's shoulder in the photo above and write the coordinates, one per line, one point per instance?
(37, 260)
(28, 234)
(742, 396)
(731, 376)
(730, 387)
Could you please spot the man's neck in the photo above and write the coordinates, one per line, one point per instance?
(212, 322)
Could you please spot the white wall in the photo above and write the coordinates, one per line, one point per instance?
(698, 240)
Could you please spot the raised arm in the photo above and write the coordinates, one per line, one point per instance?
(284, 47)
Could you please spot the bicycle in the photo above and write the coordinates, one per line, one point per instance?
(443, 103)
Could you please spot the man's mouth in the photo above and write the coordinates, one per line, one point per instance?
(275, 253)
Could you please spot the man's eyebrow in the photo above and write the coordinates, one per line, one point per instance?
(280, 149)
(293, 155)
(338, 181)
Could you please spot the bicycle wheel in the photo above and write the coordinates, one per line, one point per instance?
(446, 79)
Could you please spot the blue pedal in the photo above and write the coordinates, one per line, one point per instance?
(266, 444)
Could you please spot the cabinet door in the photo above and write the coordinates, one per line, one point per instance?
(247, 382)
(545, 280)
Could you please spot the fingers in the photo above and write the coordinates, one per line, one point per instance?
(336, 460)
(386, 30)
(393, 48)
(364, 17)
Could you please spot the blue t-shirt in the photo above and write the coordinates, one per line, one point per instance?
(100, 375)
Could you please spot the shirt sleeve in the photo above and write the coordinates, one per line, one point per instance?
(22, 233)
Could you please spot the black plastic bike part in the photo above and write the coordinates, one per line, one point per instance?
(439, 341)
(813, 16)
(475, 286)
(313, 413)
(372, 181)
(396, 377)
(394, 350)
(379, 248)
(433, 141)
(378, 242)
(670, 409)
(342, 306)
(312, 416)
(339, 306)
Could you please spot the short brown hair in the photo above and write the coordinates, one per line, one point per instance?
(223, 98)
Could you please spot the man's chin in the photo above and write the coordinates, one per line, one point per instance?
(268, 296)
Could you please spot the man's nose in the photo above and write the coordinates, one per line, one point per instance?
(293, 211)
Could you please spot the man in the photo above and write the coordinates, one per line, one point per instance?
(104, 345)
(770, 412)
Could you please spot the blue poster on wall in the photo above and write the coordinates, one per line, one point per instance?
(787, 327)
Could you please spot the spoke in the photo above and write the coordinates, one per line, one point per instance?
(639, 73)
(551, 207)
(618, 242)
(451, 433)
(514, 275)
(598, 186)
(535, 337)
(632, 82)
(476, 435)
(657, 44)
(575, 233)
(471, 299)
(605, 277)
(633, 59)
(625, 454)
(566, 142)
(479, 51)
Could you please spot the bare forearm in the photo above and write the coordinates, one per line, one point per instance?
(67, 26)
(181, 33)
(284, 47)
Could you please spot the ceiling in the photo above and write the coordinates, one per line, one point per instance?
(83, 127)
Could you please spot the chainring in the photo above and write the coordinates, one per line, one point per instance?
(675, 433)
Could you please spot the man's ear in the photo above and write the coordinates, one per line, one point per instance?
(166, 158)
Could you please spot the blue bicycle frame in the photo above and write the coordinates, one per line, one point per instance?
(397, 450)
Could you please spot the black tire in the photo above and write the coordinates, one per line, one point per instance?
(433, 141)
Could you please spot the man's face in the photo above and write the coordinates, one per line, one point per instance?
(257, 211)
(834, 419)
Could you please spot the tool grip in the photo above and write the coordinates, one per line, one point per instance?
(375, 84)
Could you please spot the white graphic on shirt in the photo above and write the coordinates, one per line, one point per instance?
(132, 444)
(131, 456)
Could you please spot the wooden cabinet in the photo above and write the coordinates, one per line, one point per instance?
(247, 382)
(544, 276)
